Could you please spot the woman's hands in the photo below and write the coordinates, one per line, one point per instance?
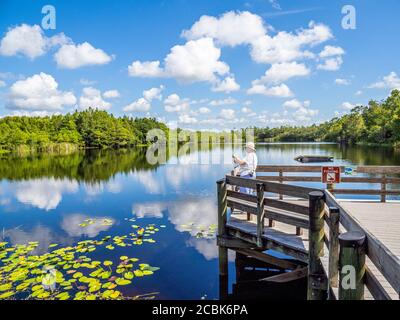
(238, 160)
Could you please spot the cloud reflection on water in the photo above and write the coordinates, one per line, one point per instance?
(71, 225)
(38, 233)
(44, 193)
(199, 212)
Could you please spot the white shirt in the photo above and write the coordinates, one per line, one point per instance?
(250, 165)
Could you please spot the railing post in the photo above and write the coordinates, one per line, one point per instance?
(222, 251)
(260, 213)
(334, 217)
(352, 265)
(222, 211)
(222, 206)
(317, 283)
(280, 181)
(383, 189)
(271, 223)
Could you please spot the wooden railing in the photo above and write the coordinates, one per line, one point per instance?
(383, 175)
(336, 238)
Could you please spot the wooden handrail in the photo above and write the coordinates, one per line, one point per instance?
(298, 215)
(384, 260)
(382, 180)
(302, 168)
(318, 179)
(286, 189)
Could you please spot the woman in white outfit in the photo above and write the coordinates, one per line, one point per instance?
(247, 165)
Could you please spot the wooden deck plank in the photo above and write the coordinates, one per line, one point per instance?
(282, 234)
(381, 219)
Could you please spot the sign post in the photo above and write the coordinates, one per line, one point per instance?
(330, 175)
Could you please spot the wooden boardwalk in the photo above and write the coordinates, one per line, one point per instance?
(317, 229)
(381, 219)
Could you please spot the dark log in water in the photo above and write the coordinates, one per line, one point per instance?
(305, 159)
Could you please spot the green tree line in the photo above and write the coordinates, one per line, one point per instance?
(375, 123)
(88, 129)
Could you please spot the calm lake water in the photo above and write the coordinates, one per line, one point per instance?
(46, 198)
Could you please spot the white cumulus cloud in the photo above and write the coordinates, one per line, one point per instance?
(228, 114)
(229, 29)
(391, 81)
(347, 105)
(140, 105)
(244, 28)
(296, 104)
(342, 82)
(111, 94)
(330, 51)
(195, 61)
(173, 103)
(143, 104)
(29, 41)
(92, 97)
(280, 72)
(288, 46)
(38, 93)
(222, 102)
(331, 64)
(187, 119)
(204, 110)
(71, 56)
(279, 91)
(153, 93)
(332, 58)
(146, 69)
(226, 85)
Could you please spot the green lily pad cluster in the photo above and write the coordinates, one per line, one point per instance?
(201, 232)
(140, 236)
(69, 273)
(90, 221)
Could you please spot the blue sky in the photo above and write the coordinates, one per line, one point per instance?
(198, 64)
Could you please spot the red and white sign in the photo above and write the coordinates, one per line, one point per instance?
(331, 175)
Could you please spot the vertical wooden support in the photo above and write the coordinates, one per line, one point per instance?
(260, 213)
(223, 287)
(334, 217)
(222, 251)
(352, 265)
(383, 189)
(271, 223)
(299, 231)
(233, 188)
(222, 211)
(222, 206)
(317, 282)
